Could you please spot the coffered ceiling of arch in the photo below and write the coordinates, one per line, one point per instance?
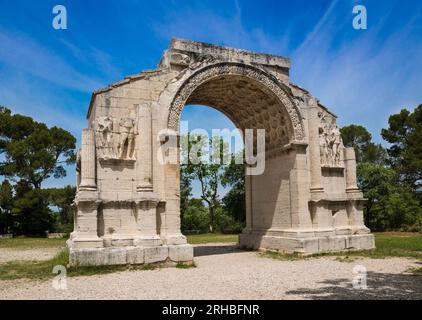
(247, 105)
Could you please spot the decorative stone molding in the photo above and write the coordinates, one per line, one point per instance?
(222, 69)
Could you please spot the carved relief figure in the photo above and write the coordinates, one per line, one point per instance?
(105, 138)
(323, 148)
(115, 138)
(330, 142)
(336, 145)
(126, 145)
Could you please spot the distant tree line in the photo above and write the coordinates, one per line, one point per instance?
(30, 153)
(390, 178)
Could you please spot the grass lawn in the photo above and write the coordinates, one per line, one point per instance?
(397, 244)
(212, 237)
(22, 243)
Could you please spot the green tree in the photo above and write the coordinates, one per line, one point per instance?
(33, 152)
(360, 139)
(30, 152)
(62, 198)
(196, 164)
(196, 216)
(185, 189)
(32, 214)
(389, 206)
(226, 223)
(6, 206)
(405, 136)
(234, 200)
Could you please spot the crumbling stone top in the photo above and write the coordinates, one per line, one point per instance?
(226, 53)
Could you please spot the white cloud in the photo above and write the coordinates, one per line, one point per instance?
(23, 54)
(368, 75)
(94, 58)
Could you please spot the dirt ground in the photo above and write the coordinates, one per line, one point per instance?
(224, 272)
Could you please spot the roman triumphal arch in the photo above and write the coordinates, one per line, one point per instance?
(128, 199)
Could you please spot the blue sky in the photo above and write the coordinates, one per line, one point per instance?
(361, 75)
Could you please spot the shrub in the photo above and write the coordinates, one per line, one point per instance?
(32, 215)
(196, 218)
(226, 223)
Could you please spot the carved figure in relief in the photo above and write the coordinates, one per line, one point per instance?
(323, 147)
(330, 142)
(126, 145)
(105, 138)
(336, 147)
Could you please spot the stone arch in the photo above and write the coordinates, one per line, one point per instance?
(285, 164)
(299, 203)
(268, 83)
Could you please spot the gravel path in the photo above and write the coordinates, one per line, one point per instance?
(7, 255)
(223, 272)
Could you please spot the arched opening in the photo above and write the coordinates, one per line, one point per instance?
(251, 99)
(247, 95)
(212, 193)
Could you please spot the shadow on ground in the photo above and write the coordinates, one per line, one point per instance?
(208, 250)
(380, 286)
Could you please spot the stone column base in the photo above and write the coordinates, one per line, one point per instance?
(147, 241)
(81, 242)
(308, 245)
(129, 255)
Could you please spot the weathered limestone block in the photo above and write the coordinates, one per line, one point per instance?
(181, 253)
(114, 256)
(156, 254)
(87, 257)
(135, 255)
(361, 242)
(332, 243)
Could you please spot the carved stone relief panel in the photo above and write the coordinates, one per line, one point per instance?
(116, 136)
(330, 142)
